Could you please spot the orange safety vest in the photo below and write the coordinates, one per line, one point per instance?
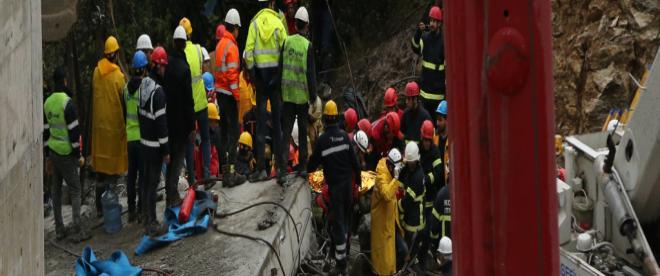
(226, 68)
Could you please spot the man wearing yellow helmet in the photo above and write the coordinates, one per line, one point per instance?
(109, 157)
(245, 158)
(334, 152)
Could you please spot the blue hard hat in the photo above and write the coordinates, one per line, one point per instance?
(208, 80)
(139, 60)
(442, 108)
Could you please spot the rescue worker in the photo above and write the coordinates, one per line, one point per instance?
(144, 44)
(263, 48)
(384, 213)
(439, 223)
(315, 127)
(414, 116)
(154, 138)
(444, 258)
(109, 156)
(63, 155)
(365, 126)
(340, 168)
(177, 83)
(290, 16)
(195, 58)
(245, 160)
(431, 47)
(214, 132)
(361, 141)
(298, 86)
(130, 102)
(434, 179)
(246, 95)
(411, 205)
(350, 121)
(390, 103)
(442, 137)
(227, 71)
(386, 134)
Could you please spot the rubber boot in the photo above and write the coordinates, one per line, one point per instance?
(339, 269)
(237, 178)
(227, 178)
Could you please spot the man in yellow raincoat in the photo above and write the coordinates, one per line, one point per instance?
(108, 144)
(384, 214)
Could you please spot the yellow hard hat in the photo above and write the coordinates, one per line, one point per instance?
(185, 22)
(111, 45)
(245, 139)
(213, 112)
(330, 109)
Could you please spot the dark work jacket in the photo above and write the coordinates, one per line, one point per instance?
(411, 123)
(153, 120)
(334, 152)
(433, 167)
(178, 90)
(432, 49)
(411, 209)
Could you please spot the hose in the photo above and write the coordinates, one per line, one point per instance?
(256, 239)
(224, 215)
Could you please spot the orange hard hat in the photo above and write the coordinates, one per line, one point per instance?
(435, 13)
(350, 118)
(427, 130)
(390, 97)
(412, 89)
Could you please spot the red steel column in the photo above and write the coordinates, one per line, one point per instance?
(501, 122)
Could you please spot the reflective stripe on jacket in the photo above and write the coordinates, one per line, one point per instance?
(431, 47)
(195, 60)
(265, 40)
(59, 133)
(227, 65)
(295, 88)
(132, 123)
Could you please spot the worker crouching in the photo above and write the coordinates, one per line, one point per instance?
(334, 152)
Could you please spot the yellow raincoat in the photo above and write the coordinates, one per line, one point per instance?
(109, 154)
(246, 97)
(384, 215)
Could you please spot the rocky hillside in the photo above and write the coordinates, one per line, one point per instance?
(596, 45)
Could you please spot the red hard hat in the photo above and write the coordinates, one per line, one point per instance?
(390, 97)
(435, 13)
(365, 126)
(392, 120)
(159, 56)
(412, 89)
(350, 118)
(219, 31)
(427, 130)
(287, 2)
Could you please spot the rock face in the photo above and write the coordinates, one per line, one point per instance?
(596, 45)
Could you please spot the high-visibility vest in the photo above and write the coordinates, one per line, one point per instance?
(294, 70)
(132, 122)
(260, 51)
(226, 70)
(59, 133)
(195, 60)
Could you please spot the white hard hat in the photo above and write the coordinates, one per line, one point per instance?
(612, 124)
(233, 17)
(294, 132)
(412, 152)
(445, 246)
(302, 15)
(394, 156)
(144, 43)
(205, 54)
(180, 33)
(362, 140)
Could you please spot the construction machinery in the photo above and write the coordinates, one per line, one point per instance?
(611, 191)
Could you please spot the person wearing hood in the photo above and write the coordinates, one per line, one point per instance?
(154, 136)
(109, 156)
(180, 112)
(63, 154)
(263, 49)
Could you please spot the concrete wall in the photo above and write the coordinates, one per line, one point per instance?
(21, 209)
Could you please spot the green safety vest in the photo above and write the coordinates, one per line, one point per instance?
(59, 133)
(195, 60)
(132, 122)
(294, 71)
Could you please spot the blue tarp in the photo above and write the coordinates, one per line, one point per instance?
(197, 223)
(117, 264)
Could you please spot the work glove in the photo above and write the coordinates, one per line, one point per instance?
(397, 170)
(81, 161)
